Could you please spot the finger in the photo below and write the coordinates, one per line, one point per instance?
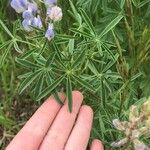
(61, 127)
(97, 145)
(32, 134)
(79, 137)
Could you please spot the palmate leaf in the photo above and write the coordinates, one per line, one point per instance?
(69, 93)
(84, 83)
(50, 88)
(111, 25)
(28, 81)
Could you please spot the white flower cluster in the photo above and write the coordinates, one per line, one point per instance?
(138, 125)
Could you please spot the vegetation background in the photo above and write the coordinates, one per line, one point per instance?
(101, 47)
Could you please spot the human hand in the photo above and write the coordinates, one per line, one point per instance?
(52, 127)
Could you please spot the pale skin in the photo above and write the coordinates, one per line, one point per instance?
(53, 127)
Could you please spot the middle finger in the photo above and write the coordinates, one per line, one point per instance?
(59, 131)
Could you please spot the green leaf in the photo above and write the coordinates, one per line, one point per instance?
(27, 54)
(108, 51)
(28, 81)
(69, 93)
(5, 44)
(57, 98)
(92, 68)
(24, 75)
(17, 47)
(26, 63)
(81, 32)
(108, 66)
(84, 83)
(71, 46)
(50, 60)
(4, 55)
(64, 37)
(59, 55)
(43, 47)
(50, 88)
(75, 13)
(39, 85)
(111, 25)
(79, 60)
(142, 3)
(6, 29)
(122, 2)
(88, 21)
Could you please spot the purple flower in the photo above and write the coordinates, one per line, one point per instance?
(50, 2)
(27, 24)
(36, 22)
(50, 32)
(19, 5)
(32, 7)
(27, 14)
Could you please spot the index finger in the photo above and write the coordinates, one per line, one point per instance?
(32, 134)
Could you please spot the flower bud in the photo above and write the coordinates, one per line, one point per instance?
(36, 22)
(50, 32)
(26, 24)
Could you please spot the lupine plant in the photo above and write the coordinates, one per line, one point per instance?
(100, 47)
